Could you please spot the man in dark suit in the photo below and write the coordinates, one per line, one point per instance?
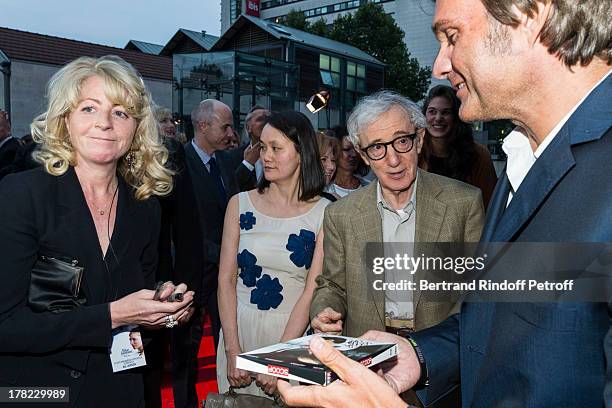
(206, 185)
(546, 65)
(8, 145)
(248, 166)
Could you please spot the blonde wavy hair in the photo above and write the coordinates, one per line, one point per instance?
(123, 86)
(326, 142)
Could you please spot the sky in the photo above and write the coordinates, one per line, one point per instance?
(111, 22)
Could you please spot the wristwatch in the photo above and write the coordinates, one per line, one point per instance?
(424, 379)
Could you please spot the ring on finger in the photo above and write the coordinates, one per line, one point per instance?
(170, 322)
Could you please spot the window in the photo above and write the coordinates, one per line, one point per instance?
(275, 3)
(329, 67)
(355, 83)
(320, 11)
(235, 9)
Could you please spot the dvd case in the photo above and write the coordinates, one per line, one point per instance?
(293, 360)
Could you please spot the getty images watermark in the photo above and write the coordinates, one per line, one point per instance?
(554, 271)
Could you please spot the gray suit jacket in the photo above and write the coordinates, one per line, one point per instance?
(446, 211)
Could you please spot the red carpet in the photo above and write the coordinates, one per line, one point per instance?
(207, 376)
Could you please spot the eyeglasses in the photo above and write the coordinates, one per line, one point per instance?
(401, 144)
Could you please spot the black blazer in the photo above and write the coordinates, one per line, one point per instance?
(211, 210)
(245, 178)
(7, 152)
(181, 226)
(45, 214)
(23, 160)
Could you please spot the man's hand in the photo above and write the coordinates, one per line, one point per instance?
(403, 372)
(358, 386)
(327, 321)
(251, 153)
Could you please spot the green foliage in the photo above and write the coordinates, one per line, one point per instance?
(297, 19)
(319, 27)
(372, 30)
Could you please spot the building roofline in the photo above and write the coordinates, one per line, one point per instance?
(57, 51)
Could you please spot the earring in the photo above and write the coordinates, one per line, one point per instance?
(130, 160)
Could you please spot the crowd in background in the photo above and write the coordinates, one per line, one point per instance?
(236, 223)
(116, 228)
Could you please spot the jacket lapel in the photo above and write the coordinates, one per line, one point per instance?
(368, 227)
(543, 176)
(227, 174)
(71, 206)
(430, 214)
(589, 122)
(203, 185)
(123, 229)
(429, 210)
(497, 206)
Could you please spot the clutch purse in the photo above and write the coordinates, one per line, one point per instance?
(55, 285)
(232, 399)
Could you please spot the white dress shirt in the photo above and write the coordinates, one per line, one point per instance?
(521, 156)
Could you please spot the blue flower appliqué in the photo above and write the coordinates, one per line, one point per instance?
(267, 294)
(301, 248)
(249, 270)
(247, 220)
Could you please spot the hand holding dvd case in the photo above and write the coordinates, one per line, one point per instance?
(294, 361)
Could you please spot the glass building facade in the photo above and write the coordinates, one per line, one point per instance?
(238, 79)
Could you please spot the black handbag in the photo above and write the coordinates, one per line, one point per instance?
(55, 285)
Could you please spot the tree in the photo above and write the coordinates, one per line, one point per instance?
(372, 30)
(319, 27)
(297, 19)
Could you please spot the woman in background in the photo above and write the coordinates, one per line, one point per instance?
(329, 150)
(167, 125)
(271, 251)
(449, 148)
(346, 180)
(170, 138)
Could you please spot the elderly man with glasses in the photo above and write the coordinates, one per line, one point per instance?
(406, 205)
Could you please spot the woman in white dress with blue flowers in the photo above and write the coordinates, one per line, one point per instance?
(272, 251)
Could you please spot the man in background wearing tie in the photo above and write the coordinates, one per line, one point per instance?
(210, 176)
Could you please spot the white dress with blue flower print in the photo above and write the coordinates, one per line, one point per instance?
(274, 256)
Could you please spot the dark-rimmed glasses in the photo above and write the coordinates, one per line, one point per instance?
(401, 144)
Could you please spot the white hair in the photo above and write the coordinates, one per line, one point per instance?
(371, 107)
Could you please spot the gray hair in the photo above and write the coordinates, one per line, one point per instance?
(246, 137)
(203, 112)
(251, 113)
(371, 107)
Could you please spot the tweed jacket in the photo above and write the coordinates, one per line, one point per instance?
(446, 211)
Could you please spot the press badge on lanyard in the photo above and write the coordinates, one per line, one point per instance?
(127, 350)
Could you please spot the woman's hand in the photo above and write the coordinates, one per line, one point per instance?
(236, 377)
(267, 383)
(139, 308)
(186, 316)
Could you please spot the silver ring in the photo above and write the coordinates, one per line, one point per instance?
(170, 322)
